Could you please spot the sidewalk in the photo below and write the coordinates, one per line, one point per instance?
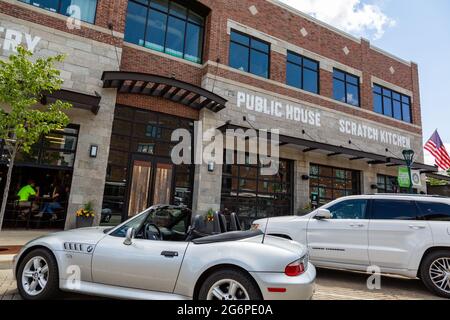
(16, 238)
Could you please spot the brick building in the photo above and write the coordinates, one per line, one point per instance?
(345, 109)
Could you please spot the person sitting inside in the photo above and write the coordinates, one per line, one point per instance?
(49, 208)
(25, 194)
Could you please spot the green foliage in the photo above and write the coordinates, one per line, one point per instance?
(22, 84)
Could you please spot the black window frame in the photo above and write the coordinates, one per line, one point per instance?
(250, 48)
(392, 99)
(346, 82)
(285, 188)
(354, 191)
(189, 9)
(302, 67)
(42, 149)
(59, 9)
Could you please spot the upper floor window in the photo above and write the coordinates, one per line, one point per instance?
(85, 8)
(165, 26)
(391, 104)
(302, 73)
(249, 54)
(346, 87)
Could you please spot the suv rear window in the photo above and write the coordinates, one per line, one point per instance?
(434, 211)
(394, 210)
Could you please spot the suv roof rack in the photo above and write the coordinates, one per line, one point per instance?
(407, 195)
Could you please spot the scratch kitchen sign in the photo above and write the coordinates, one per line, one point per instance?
(13, 38)
(317, 118)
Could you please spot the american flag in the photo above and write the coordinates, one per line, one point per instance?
(437, 149)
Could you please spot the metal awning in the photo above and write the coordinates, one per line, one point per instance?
(77, 99)
(438, 176)
(167, 88)
(332, 151)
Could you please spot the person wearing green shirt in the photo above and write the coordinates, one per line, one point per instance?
(25, 193)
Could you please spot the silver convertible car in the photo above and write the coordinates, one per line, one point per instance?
(159, 254)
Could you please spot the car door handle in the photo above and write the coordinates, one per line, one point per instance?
(169, 254)
(417, 227)
(357, 225)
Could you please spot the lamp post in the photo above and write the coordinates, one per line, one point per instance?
(408, 155)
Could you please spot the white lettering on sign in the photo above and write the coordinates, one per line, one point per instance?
(278, 109)
(367, 132)
(14, 38)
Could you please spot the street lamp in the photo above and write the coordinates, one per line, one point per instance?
(408, 155)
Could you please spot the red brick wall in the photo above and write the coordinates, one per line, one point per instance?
(272, 20)
(158, 105)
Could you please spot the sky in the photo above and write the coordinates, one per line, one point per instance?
(414, 30)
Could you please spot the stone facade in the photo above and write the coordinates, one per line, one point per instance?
(81, 71)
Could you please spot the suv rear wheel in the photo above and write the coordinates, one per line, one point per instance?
(435, 272)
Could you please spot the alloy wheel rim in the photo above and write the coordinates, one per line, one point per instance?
(440, 273)
(35, 276)
(227, 289)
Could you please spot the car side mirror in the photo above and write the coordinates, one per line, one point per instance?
(129, 237)
(323, 214)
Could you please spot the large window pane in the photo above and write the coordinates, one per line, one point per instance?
(406, 113)
(377, 103)
(87, 9)
(156, 30)
(310, 81)
(175, 37)
(352, 95)
(397, 110)
(293, 75)
(135, 24)
(339, 90)
(387, 106)
(259, 64)
(239, 56)
(194, 38)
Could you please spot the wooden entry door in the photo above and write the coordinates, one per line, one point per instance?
(151, 183)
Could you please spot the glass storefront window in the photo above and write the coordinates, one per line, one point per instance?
(147, 136)
(254, 196)
(332, 183)
(56, 149)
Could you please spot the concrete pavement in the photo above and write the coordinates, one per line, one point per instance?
(331, 285)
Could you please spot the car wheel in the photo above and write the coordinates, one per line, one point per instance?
(229, 285)
(435, 273)
(37, 276)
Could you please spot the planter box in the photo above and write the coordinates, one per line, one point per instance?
(84, 222)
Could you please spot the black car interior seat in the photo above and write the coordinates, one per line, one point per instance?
(235, 224)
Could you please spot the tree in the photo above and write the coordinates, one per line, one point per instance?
(23, 81)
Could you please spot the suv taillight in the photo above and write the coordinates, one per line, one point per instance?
(295, 268)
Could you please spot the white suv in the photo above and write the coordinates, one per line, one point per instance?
(401, 234)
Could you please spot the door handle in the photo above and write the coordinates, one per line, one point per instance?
(417, 227)
(357, 225)
(169, 254)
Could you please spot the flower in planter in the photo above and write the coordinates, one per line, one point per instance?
(210, 215)
(86, 212)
